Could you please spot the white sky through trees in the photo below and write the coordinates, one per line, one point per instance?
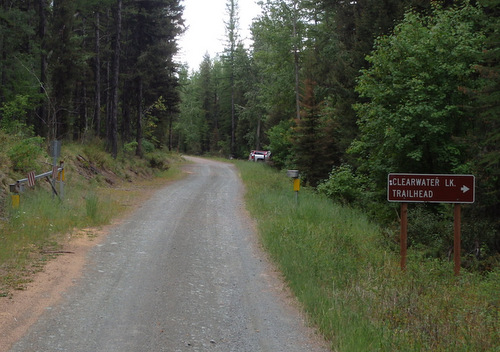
(206, 29)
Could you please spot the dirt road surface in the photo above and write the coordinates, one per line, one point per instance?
(183, 273)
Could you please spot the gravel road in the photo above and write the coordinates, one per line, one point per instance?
(183, 273)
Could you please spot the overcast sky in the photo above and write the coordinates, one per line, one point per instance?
(206, 31)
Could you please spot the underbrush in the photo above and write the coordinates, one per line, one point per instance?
(348, 279)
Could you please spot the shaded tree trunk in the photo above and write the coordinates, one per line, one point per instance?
(115, 71)
(97, 73)
(41, 121)
(138, 150)
(296, 59)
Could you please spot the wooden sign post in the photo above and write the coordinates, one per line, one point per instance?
(403, 234)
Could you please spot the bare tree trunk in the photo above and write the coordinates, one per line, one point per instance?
(3, 75)
(233, 118)
(257, 141)
(108, 75)
(296, 60)
(113, 123)
(41, 121)
(126, 129)
(97, 72)
(232, 33)
(170, 131)
(138, 150)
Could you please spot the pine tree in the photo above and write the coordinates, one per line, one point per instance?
(312, 145)
(229, 61)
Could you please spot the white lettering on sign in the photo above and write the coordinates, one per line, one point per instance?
(409, 193)
(449, 183)
(424, 182)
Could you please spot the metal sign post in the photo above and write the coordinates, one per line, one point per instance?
(430, 188)
(55, 150)
(296, 183)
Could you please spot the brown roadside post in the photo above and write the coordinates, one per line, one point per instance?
(456, 244)
(403, 234)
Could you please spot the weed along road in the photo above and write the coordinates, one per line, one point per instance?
(183, 273)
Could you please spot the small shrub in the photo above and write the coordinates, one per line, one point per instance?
(147, 146)
(428, 228)
(24, 154)
(158, 161)
(92, 206)
(96, 155)
(13, 114)
(343, 185)
(129, 148)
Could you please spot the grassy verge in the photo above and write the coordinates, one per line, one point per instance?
(349, 281)
(97, 189)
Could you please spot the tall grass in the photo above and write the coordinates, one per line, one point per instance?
(349, 282)
(38, 226)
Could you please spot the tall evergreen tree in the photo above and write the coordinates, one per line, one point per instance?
(151, 28)
(312, 144)
(229, 61)
(64, 65)
(484, 142)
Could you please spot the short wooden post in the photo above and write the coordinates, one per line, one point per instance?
(403, 234)
(456, 245)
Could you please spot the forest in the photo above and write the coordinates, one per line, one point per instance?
(344, 91)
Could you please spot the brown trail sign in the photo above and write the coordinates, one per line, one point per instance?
(419, 188)
(430, 188)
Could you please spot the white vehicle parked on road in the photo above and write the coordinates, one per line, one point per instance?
(259, 155)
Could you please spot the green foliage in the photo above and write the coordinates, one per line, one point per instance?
(192, 125)
(129, 148)
(280, 143)
(414, 117)
(96, 155)
(430, 230)
(92, 207)
(14, 114)
(5, 141)
(157, 160)
(314, 147)
(147, 146)
(419, 115)
(484, 142)
(25, 153)
(344, 186)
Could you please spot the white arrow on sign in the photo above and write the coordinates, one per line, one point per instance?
(464, 188)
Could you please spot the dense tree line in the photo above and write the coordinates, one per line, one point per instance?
(72, 69)
(348, 91)
(344, 91)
